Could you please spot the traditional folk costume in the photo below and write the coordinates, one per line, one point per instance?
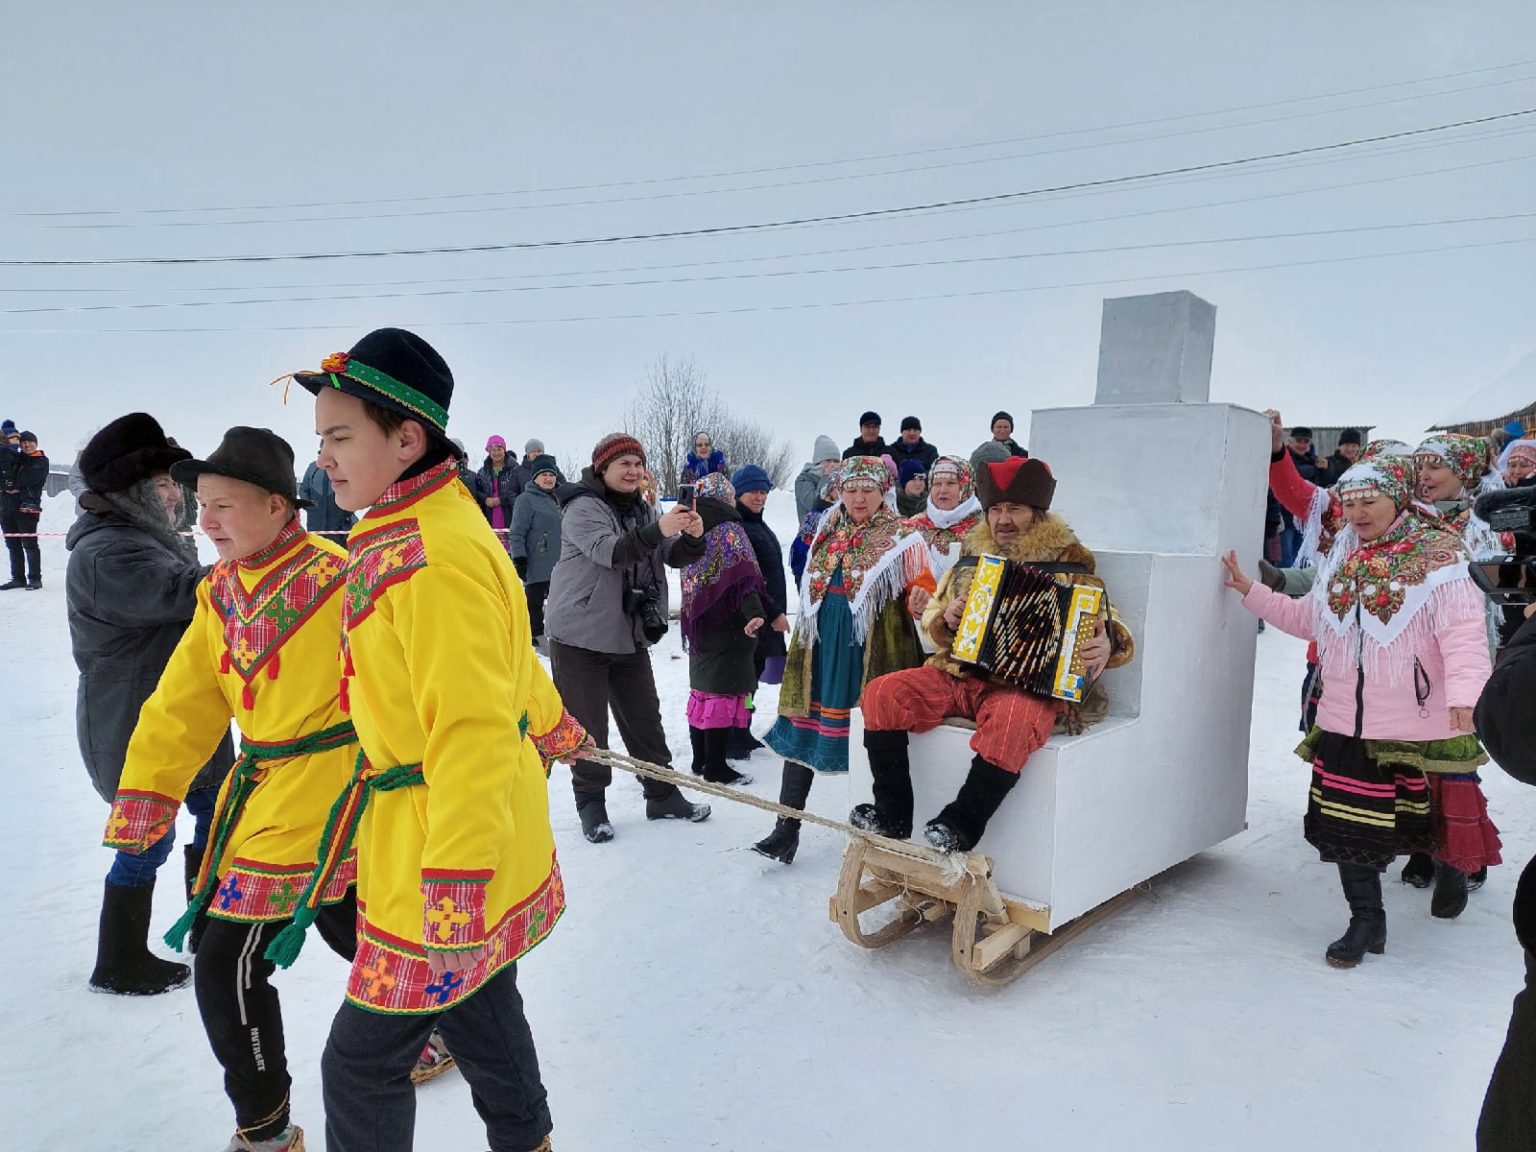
(261, 650)
(853, 626)
(448, 802)
(1401, 638)
(945, 529)
(722, 591)
(1011, 723)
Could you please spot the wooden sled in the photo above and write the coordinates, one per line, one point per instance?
(996, 939)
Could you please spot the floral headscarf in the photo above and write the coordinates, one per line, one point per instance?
(1393, 476)
(1525, 449)
(1389, 447)
(1467, 456)
(716, 486)
(960, 469)
(869, 471)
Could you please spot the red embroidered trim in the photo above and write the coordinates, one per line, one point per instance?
(453, 913)
(139, 819)
(403, 493)
(379, 559)
(564, 738)
(253, 891)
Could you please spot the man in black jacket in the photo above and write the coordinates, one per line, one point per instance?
(870, 442)
(1506, 724)
(21, 506)
(912, 446)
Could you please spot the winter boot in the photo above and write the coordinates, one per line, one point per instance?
(290, 1139)
(961, 824)
(1367, 931)
(742, 743)
(1449, 899)
(781, 843)
(435, 1059)
(124, 964)
(34, 584)
(1420, 870)
(12, 584)
(192, 862)
(891, 813)
(696, 738)
(1476, 880)
(673, 805)
(593, 810)
(716, 768)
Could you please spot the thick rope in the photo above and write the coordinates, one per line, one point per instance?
(956, 863)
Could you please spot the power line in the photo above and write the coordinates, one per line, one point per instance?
(773, 275)
(769, 186)
(762, 226)
(798, 307)
(804, 165)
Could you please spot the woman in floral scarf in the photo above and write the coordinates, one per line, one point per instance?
(1403, 645)
(952, 511)
(855, 623)
(721, 614)
(1453, 471)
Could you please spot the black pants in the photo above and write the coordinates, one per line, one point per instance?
(242, 1016)
(370, 1103)
(1508, 1122)
(536, 594)
(590, 683)
(23, 552)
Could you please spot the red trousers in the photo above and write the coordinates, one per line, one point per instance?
(1010, 723)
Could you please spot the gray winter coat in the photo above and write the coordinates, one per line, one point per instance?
(130, 596)
(535, 535)
(604, 552)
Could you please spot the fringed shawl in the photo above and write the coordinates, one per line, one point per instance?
(880, 560)
(715, 586)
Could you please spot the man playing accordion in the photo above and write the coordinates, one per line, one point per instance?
(1010, 721)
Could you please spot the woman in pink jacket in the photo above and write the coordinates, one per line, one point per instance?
(1402, 639)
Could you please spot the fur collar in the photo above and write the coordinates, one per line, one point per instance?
(1048, 539)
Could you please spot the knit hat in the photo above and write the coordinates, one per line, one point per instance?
(257, 456)
(495, 442)
(716, 486)
(25, 436)
(543, 463)
(1467, 456)
(1351, 436)
(392, 369)
(908, 422)
(869, 471)
(992, 452)
(130, 449)
(750, 478)
(869, 418)
(611, 447)
(826, 449)
(1017, 481)
(996, 416)
(1515, 429)
(7, 428)
(1392, 476)
(959, 469)
(908, 470)
(534, 447)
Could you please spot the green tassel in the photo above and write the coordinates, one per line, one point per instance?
(288, 943)
(177, 936)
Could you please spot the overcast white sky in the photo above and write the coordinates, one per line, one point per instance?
(193, 106)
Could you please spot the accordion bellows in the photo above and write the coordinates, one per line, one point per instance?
(1026, 626)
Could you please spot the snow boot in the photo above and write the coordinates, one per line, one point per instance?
(12, 584)
(35, 584)
(1476, 880)
(1420, 870)
(963, 821)
(742, 743)
(290, 1139)
(784, 840)
(891, 813)
(124, 964)
(673, 805)
(435, 1059)
(717, 770)
(593, 810)
(1449, 899)
(696, 738)
(1367, 931)
(192, 862)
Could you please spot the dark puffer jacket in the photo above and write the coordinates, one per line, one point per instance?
(770, 558)
(130, 593)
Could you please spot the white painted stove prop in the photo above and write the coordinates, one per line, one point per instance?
(1159, 483)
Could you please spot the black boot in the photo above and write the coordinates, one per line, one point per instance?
(12, 584)
(742, 743)
(192, 861)
(1449, 899)
(716, 769)
(1420, 870)
(1476, 880)
(667, 803)
(961, 824)
(781, 843)
(1367, 931)
(124, 963)
(696, 738)
(592, 807)
(891, 813)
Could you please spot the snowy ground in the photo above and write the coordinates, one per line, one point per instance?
(696, 997)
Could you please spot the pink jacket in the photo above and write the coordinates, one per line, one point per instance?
(1447, 638)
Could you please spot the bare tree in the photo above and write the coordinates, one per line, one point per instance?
(674, 404)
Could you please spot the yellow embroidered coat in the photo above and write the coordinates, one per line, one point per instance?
(441, 673)
(261, 650)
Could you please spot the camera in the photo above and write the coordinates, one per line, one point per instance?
(1510, 579)
(645, 605)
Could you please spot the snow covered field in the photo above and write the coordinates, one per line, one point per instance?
(696, 996)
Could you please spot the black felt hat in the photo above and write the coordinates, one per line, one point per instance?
(257, 456)
(131, 448)
(392, 369)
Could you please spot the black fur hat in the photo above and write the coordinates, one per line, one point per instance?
(130, 449)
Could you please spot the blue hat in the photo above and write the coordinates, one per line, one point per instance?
(1515, 429)
(750, 478)
(908, 469)
(7, 428)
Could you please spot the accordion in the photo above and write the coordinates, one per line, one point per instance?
(1026, 625)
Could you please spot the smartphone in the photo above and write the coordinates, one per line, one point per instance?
(685, 496)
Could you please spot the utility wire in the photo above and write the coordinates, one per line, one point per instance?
(762, 226)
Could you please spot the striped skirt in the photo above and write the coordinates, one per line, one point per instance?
(1361, 811)
(819, 739)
